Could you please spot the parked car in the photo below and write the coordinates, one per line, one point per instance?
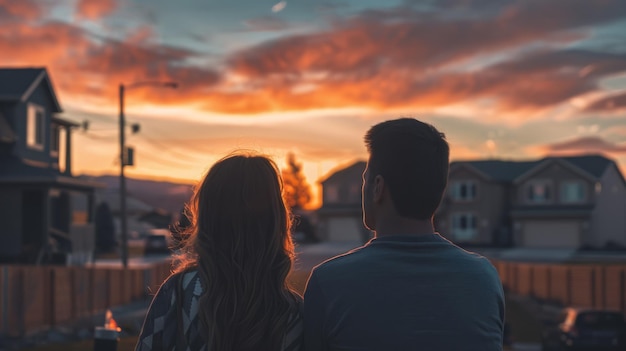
(586, 329)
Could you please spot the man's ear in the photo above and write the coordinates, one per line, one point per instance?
(379, 188)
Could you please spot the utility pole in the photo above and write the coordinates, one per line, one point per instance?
(124, 159)
(123, 225)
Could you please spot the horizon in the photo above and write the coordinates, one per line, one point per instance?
(506, 80)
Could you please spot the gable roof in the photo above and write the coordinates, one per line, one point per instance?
(589, 166)
(14, 170)
(508, 171)
(17, 84)
(498, 170)
(347, 173)
(593, 164)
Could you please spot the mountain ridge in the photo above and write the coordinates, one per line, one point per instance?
(166, 195)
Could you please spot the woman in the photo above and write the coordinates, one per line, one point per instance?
(233, 269)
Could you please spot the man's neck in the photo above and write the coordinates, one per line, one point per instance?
(403, 226)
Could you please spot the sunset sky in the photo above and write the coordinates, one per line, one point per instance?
(511, 79)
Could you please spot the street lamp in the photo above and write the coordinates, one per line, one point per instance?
(124, 233)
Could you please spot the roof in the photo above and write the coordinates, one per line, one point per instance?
(17, 84)
(350, 173)
(507, 171)
(64, 122)
(498, 170)
(593, 164)
(13, 170)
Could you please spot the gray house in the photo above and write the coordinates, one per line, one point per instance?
(340, 218)
(42, 207)
(555, 202)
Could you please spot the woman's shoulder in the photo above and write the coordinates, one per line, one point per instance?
(185, 275)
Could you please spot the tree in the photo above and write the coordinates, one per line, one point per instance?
(297, 190)
(105, 229)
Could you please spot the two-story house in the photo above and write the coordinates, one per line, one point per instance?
(42, 207)
(555, 202)
(340, 217)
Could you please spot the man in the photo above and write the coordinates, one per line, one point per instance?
(408, 288)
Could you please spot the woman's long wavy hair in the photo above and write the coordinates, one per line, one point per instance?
(240, 243)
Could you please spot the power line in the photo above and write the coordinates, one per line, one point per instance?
(165, 148)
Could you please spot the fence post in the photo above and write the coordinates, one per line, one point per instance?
(621, 291)
(593, 287)
(52, 296)
(5, 299)
(20, 303)
(73, 292)
(568, 284)
(603, 286)
(531, 283)
(548, 283)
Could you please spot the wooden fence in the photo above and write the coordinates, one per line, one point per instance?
(579, 285)
(34, 298)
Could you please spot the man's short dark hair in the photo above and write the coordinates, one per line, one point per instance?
(412, 157)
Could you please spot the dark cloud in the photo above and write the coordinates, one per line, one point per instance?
(587, 144)
(412, 39)
(18, 10)
(82, 64)
(610, 103)
(401, 57)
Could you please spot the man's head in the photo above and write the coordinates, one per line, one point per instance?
(408, 164)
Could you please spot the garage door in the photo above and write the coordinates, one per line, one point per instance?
(344, 229)
(551, 234)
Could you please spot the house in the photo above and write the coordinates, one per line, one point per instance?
(46, 213)
(340, 217)
(555, 202)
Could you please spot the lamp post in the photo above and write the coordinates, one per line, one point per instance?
(123, 222)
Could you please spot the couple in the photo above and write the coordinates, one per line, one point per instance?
(406, 289)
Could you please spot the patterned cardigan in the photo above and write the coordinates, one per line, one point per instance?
(161, 327)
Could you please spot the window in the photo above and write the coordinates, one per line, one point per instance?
(463, 190)
(331, 194)
(539, 192)
(464, 226)
(355, 193)
(54, 140)
(35, 127)
(572, 192)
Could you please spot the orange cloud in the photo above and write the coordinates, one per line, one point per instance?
(20, 9)
(610, 103)
(383, 60)
(95, 9)
(83, 68)
(586, 145)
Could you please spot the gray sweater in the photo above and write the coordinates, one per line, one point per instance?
(405, 292)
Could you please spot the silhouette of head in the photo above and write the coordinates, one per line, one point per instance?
(242, 248)
(411, 159)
